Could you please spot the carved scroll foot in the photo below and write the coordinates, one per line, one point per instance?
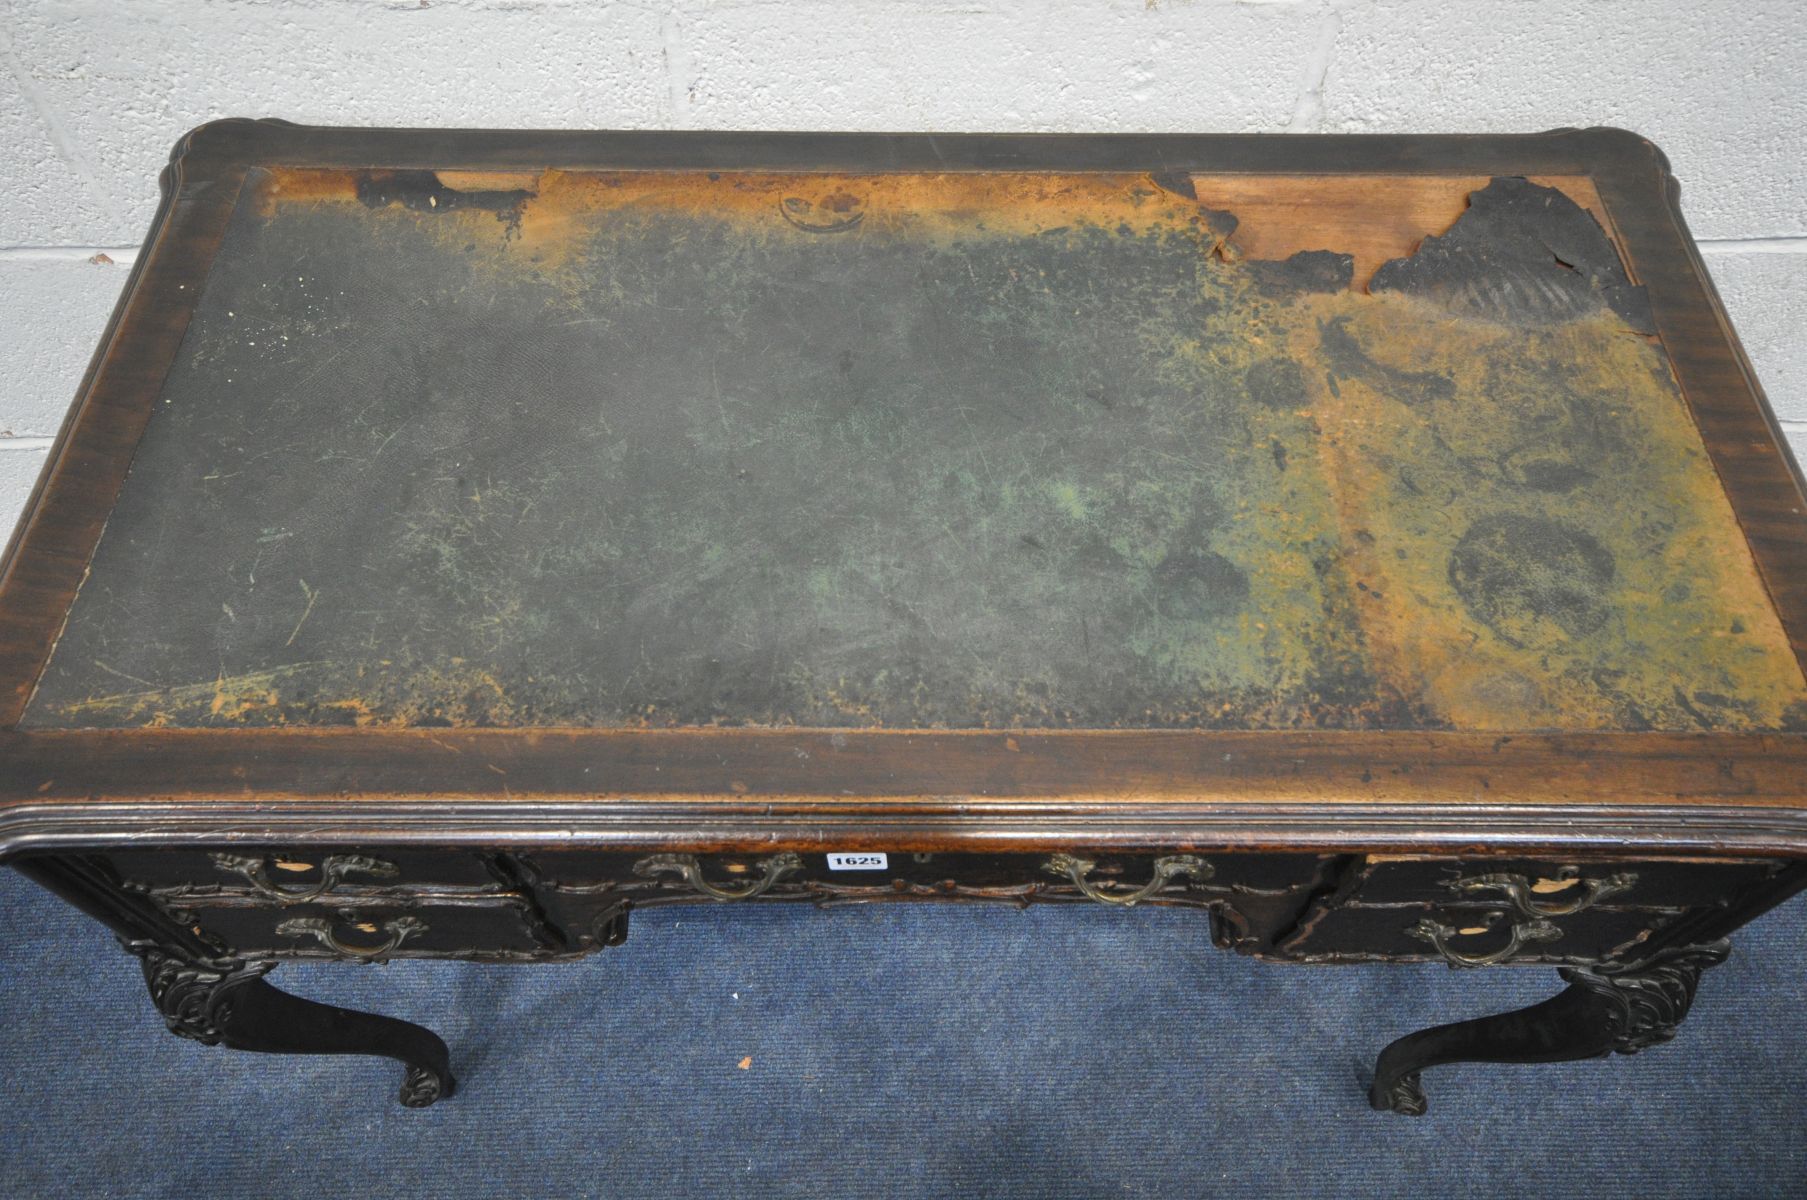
(1621, 1007)
(227, 1002)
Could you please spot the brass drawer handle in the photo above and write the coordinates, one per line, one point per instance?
(1523, 933)
(771, 870)
(1517, 889)
(333, 870)
(398, 931)
(1076, 869)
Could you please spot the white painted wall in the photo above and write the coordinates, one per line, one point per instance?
(93, 93)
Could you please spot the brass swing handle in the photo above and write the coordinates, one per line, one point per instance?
(333, 870)
(1076, 869)
(771, 870)
(1518, 890)
(398, 930)
(1523, 933)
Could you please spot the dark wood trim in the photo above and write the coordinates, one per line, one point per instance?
(709, 825)
(63, 518)
(813, 788)
(279, 143)
(1128, 767)
(1748, 449)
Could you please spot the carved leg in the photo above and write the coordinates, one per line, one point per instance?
(226, 1002)
(1623, 1007)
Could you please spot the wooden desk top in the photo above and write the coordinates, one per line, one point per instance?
(588, 467)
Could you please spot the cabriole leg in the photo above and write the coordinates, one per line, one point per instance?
(227, 1002)
(1620, 1007)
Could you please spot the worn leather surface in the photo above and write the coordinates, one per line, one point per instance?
(916, 451)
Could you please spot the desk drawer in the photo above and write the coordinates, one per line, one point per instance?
(1556, 885)
(469, 926)
(288, 876)
(1467, 935)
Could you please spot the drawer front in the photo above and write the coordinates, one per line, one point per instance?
(1112, 873)
(295, 875)
(370, 931)
(1465, 935)
(1554, 886)
(1251, 898)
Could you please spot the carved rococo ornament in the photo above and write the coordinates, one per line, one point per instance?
(1646, 1000)
(195, 997)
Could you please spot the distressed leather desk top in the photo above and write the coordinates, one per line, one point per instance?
(917, 449)
(1293, 439)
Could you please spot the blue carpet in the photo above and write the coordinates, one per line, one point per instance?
(908, 1050)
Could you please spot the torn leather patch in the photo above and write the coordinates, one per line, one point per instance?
(1521, 254)
(1307, 271)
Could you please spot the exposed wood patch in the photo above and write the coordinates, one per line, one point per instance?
(1371, 218)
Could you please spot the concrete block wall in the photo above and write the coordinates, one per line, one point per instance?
(93, 93)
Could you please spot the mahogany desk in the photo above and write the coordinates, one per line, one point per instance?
(463, 539)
